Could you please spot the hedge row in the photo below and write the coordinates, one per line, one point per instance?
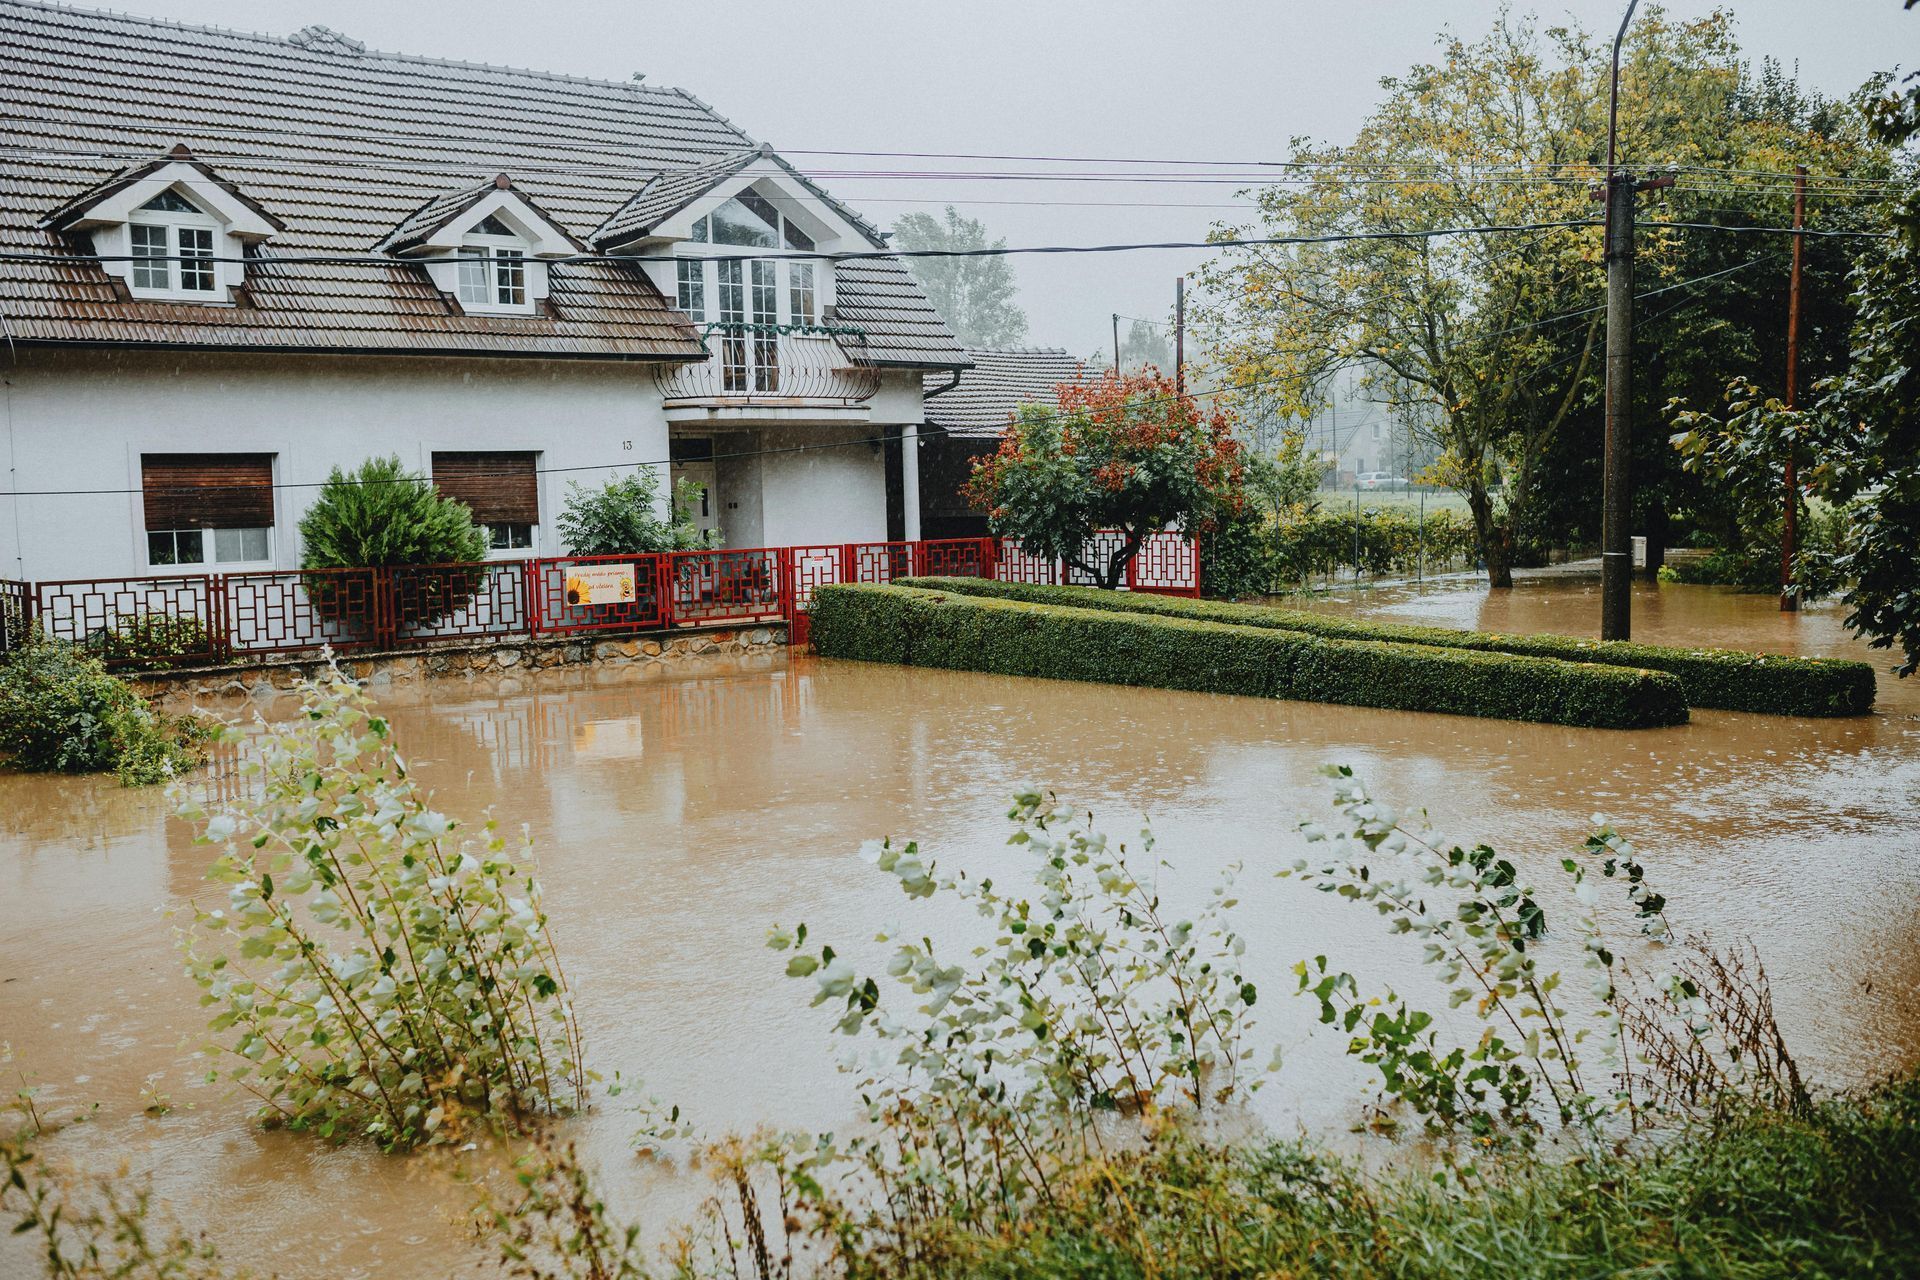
(1721, 678)
(959, 632)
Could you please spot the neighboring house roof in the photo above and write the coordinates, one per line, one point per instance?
(354, 151)
(992, 391)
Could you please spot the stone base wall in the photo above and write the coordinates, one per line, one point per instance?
(410, 666)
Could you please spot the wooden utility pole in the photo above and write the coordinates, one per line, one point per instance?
(1116, 344)
(1180, 336)
(1616, 548)
(1616, 503)
(1789, 598)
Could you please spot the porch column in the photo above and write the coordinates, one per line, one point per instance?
(910, 479)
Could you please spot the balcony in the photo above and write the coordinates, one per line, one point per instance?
(772, 370)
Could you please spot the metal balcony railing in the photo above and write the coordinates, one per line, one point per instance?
(774, 364)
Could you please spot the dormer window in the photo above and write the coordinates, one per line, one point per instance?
(488, 247)
(493, 268)
(172, 244)
(170, 229)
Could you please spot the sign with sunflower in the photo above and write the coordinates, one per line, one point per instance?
(600, 584)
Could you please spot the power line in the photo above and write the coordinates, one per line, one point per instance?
(842, 444)
(1238, 242)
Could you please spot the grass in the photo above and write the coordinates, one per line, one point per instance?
(1832, 1193)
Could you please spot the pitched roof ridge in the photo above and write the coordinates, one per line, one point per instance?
(1018, 350)
(267, 37)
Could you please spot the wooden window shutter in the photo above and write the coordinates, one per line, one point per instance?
(207, 490)
(500, 488)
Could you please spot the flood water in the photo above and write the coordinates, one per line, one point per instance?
(677, 818)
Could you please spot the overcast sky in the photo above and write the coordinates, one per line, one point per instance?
(1226, 80)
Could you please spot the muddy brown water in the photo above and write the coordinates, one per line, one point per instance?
(677, 818)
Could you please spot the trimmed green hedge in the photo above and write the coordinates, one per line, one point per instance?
(1726, 679)
(929, 628)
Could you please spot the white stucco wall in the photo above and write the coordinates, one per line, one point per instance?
(79, 419)
(833, 490)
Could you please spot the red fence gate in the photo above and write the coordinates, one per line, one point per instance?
(200, 618)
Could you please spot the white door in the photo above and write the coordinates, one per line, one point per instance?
(704, 507)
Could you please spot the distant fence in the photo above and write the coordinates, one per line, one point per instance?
(194, 619)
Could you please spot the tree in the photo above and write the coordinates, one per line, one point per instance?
(1491, 337)
(382, 514)
(1145, 344)
(973, 295)
(1123, 452)
(623, 517)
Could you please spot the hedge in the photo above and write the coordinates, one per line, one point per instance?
(930, 628)
(1726, 679)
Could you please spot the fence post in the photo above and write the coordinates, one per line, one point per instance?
(386, 628)
(530, 584)
(666, 581)
(849, 562)
(989, 558)
(219, 639)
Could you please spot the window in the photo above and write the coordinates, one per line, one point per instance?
(173, 247)
(693, 287)
(492, 276)
(207, 508)
(751, 224)
(800, 309)
(501, 489)
(509, 537)
(493, 268)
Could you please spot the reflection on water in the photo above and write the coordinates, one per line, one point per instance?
(676, 818)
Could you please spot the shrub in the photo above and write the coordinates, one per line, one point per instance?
(930, 629)
(374, 973)
(61, 711)
(153, 640)
(1726, 679)
(382, 514)
(622, 518)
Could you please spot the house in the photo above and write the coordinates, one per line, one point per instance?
(231, 262)
(965, 420)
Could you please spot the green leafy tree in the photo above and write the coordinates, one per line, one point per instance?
(382, 514)
(975, 296)
(1127, 453)
(622, 517)
(1494, 338)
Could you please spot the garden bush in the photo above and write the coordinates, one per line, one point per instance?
(383, 514)
(1726, 679)
(62, 711)
(622, 517)
(1007, 637)
(149, 640)
(374, 972)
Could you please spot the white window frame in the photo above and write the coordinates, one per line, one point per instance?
(210, 563)
(491, 251)
(172, 224)
(527, 552)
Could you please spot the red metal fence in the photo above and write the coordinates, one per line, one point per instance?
(190, 619)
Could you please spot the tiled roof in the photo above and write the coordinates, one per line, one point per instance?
(665, 194)
(345, 147)
(1000, 381)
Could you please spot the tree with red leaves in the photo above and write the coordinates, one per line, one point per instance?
(1123, 451)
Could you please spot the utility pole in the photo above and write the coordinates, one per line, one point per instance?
(1180, 336)
(1116, 344)
(1789, 598)
(1616, 550)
